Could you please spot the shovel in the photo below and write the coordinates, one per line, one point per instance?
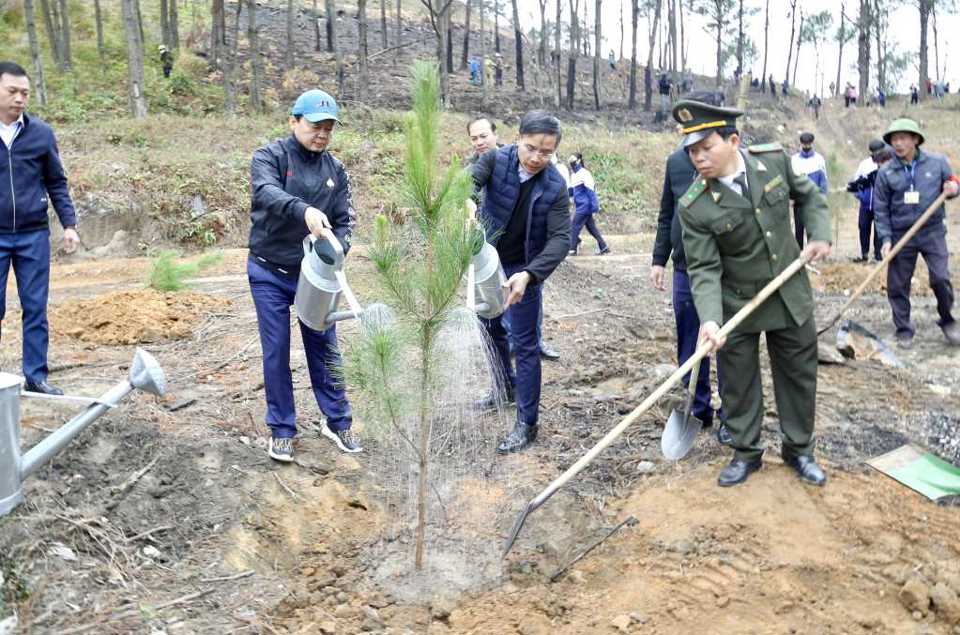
(883, 263)
(702, 351)
(680, 431)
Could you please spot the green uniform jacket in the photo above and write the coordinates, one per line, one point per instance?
(735, 246)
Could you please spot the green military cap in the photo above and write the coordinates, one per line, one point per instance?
(699, 120)
(904, 125)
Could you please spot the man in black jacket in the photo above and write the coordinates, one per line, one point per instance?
(298, 188)
(677, 178)
(31, 176)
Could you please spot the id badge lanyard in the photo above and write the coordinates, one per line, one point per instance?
(911, 196)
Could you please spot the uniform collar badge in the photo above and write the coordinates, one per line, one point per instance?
(684, 115)
(716, 197)
(761, 167)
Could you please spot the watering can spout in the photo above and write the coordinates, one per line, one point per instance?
(146, 374)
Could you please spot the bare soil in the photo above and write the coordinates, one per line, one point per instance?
(215, 538)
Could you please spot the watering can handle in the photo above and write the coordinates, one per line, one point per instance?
(325, 249)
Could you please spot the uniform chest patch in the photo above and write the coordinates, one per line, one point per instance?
(330, 183)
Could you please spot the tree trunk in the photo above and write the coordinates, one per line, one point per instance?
(256, 72)
(330, 9)
(65, 36)
(683, 41)
(542, 51)
(164, 23)
(99, 21)
(466, 36)
(793, 24)
(673, 35)
(557, 54)
(230, 65)
(719, 79)
(216, 35)
(448, 19)
(796, 61)
(136, 5)
(399, 38)
(35, 55)
(383, 24)
(290, 52)
(936, 43)
(766, 45)
(442, 30)
(634, 18)
(879, 29)
(316, 26)
(596, 56)
(496, 26)
(174, 25)
(362, 49)
(622, 31)
(740, 40)
(135, 83)
(648, 71)
(574, 52)
(842, 40)
(518, 45)
(864, 22)
(925, 8)
(52, 36)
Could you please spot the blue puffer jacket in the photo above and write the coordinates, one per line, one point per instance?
(31, 174)
(548, 220)
(893, 216)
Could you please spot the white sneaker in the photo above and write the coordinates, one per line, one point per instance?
(346, 440)
(281, 449)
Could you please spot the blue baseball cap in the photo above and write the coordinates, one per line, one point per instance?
(315, 105)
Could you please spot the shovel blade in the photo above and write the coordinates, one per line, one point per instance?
(679, 435)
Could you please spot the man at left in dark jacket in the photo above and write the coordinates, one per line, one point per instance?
(525, 217)
(299, 188)
(31, 177)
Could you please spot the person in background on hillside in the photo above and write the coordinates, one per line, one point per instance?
(498, 70)
(474, 65)
(811, 163)
(815, 103)
(525, 214)
(881, 97)
(773, 86)
(612, 60)
(31, 177)
(298, 189)
(663, 87)
(678, 175)
(785, 88)
(166, 60)
(487, 70)
(905, 187)
(914, 95)
(483, 138)
(583, 191)
(732, 253)
(862, 187)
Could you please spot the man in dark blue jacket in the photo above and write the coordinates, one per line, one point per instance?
(905, 187)
(525, 217)
(31, 176)
(298, 188)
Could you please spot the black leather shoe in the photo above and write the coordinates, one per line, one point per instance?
(548, 352)
(806, 468)
(519, 438)
(42, 387)
(737, 472)
(723, 435)
(492, 400)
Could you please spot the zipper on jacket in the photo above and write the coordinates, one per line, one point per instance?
(13, 194)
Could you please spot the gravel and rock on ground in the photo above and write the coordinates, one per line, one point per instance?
(216, 538)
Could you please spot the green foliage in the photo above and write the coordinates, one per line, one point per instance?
(168, 275)
(13, 586)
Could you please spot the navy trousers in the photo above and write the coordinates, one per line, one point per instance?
(865, 223)
(273, 295)
(578, 223)
(29, 253)
(523, 318)
(933, 247)
(688, 329)
(505, 319)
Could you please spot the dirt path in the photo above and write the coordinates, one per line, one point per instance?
(215, 538)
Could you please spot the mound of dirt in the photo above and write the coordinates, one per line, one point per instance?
(133, 317)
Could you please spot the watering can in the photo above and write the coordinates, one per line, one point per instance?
(321, 283)
(487, 291)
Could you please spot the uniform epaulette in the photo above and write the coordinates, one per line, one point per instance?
(695, 190)
(765, 147)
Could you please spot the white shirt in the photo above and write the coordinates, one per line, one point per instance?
(9, 133)
(866, 166)
(729, 180)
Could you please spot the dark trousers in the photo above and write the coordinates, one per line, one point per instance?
(167, 70)
(29, 253)
(273, 295)
(865, 223)
(933, 248)
(798, 229)
(793, 362)
(688, 329)
(523, 318)
(581, 220)
(505, 319)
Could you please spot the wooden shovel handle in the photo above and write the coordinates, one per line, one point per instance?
(920, 222)
(702, 351)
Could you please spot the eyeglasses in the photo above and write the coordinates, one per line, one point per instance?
(543, 154)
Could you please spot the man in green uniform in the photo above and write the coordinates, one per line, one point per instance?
(737, 237)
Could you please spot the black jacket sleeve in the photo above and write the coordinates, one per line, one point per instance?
(55, 182)
(663, 244)
(341, 214)
(558, 240)
(267, 185)
(482, 168)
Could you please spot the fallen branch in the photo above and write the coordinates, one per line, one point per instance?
(120, 491)
(293, 494)
(148, 533)
(137, 612)
(630, 520)
(229, 578)
(570, 316)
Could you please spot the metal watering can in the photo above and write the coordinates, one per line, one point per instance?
(321, 282)
(485, 279)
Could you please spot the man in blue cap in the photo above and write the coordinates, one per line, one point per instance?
(298, 188)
